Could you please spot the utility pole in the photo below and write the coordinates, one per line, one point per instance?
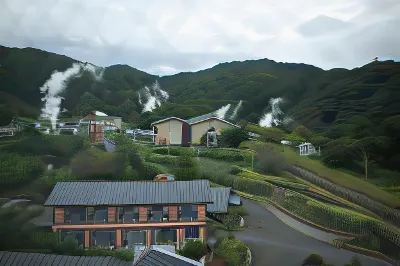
(252, 162)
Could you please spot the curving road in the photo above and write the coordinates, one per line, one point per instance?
(274, 243)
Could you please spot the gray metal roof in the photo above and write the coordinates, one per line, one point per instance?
(157, 257)
(33, 259)
(129, 193)
(201, 118)
(220, 196)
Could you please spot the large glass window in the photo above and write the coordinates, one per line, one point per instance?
(74, 215)
(156, 213)
(164, 236)
(98, 214)
(78, 235)
(128, 214)
(102, 239)
(134, 238)
(187, 213)
(191, 232)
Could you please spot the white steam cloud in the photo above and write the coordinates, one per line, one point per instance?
(57, 83)
(236, 110)
(152, 97)
(272, 118)
(221, 112)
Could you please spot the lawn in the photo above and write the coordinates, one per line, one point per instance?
(335, 176)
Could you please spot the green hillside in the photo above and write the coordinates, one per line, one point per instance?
(338, 103)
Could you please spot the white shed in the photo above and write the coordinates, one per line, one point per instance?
(306, 149)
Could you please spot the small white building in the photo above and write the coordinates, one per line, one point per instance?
(307, 149)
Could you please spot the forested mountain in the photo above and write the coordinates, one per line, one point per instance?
(339, 102)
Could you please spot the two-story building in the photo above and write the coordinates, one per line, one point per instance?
(130, 214)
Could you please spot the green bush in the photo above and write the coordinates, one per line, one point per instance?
(48, 180)
(239, 210)
(151, 170)
(313, 260)
(175, 151)
(270, 162)
(69, 246)
(161, 159)
(187, 168)
(232, 137)
(123, 254)
(193, 249)
(17, 170)
(230, 155)
(97, 164)
(232, 250)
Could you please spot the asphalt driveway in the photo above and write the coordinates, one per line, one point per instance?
(274, 243)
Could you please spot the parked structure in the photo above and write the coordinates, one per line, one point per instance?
(222, 198)
(177, 131)
(98, 122)
(307, 149)
(130, 214)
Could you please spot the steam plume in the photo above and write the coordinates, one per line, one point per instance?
(57, 83)
(272, 118)
(221, 112)
(152, 97)
(236, 110)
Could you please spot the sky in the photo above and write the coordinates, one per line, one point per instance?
(164, 37)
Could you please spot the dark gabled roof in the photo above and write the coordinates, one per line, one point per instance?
(156, 257)
(129, 193)
(220, 196)
(33, 259)
(201, 118)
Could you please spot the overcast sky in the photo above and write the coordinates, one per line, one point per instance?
(169, 36)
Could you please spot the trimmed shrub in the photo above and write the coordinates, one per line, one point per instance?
(187, 168)
(69, 246)
(232, 250)
(162, 159)
(123, 254)
(193, 249)
(151, 170)
(313, 260)
(232, 137)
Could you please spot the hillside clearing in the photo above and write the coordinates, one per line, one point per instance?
(335, 176)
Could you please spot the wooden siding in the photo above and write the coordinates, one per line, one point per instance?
(112, 214)
(148, 238)
(59, 215)
(118, 238)
(87, 239)
(173, 213)
(201, 212)
(142, 214)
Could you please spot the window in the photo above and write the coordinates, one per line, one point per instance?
(128, 214)
(164, 236)
(188, 213)
(78, 235)
(75, 215)
(191, 232)
(165, 214)
(134, 238)
(156, 213)
(97, 214)
(103, 239)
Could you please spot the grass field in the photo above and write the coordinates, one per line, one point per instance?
(338, 177)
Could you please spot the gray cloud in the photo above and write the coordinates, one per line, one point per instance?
(323, 25)
(165, 37)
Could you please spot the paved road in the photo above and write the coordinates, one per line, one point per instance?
(274, 243)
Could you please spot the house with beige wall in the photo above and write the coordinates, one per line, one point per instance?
(177, 131)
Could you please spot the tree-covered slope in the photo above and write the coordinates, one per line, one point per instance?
(312, 96)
